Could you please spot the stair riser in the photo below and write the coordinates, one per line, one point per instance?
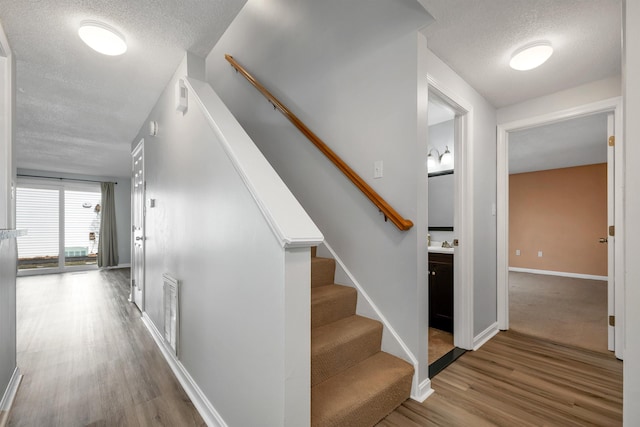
(345, 355)
(377, 407)
(370, 411)
(325, 312)
(322, 271)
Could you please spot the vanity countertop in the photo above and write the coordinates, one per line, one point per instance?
(440, 250)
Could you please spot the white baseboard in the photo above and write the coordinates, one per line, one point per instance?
(198, 398)
(11, 391)
(558, 273)
(484, 336)
(125, 265)
(424, 391)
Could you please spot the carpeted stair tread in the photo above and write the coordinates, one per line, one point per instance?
(339, 345)
(363, 394)
(332, 302)
(322, 271)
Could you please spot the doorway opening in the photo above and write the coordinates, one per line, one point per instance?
(450, 290)
(558, 184)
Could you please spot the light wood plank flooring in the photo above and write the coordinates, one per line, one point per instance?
(87, 359)
(519, 380)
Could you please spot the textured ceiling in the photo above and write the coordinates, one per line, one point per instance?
(77, 110)
(574, 142)
(476, 39)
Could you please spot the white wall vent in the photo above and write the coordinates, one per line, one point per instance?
(171, 312)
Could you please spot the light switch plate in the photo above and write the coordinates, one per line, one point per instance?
(377, 169)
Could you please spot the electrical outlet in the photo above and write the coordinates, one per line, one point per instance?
(518, 252)
(377, 169)
(539, 254)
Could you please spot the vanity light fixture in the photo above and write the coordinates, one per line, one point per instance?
(431, 160)
(102, 38)
(447, 158)
(531, 56)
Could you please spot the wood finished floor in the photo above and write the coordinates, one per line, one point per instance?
(519, 380)
(87, 359)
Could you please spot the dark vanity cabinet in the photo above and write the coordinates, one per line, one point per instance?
(441, 291)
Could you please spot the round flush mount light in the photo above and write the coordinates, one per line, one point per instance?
(102, 38)
(531, 56)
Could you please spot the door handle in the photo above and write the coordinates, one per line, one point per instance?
(603, 240)
(138, 238)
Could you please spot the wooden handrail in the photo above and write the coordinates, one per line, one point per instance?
(390, 213)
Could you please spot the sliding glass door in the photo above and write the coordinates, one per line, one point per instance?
(82, 227)
(63, 226)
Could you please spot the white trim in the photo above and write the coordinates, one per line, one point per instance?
(10, 392)
(198, 398)
(485, 336)
(289, 222)
(416, 391)
(502, 295)
(558, 273)
(424, 391)
(115, 267)
(463, 217)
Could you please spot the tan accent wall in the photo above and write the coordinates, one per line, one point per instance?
(563, 213)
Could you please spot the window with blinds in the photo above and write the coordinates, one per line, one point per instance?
(53, 241)
(37, 211)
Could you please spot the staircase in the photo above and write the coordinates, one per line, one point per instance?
(353, 383)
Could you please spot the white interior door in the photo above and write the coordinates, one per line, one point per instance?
(609, 236)
(137, 221)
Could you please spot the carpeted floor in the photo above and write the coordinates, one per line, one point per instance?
(561, 309)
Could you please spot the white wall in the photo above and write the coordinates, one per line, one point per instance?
(122, 201)
(352, 72)
(209, 231)
(631, 79)
(483, 166)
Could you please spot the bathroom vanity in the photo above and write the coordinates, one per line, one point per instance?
(441, 289)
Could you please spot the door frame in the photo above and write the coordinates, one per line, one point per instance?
(139, 148)
(613, 105)
(463, 333)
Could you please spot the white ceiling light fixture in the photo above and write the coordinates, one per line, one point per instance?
(531, 56)
(102, 38)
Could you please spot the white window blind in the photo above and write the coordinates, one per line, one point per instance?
(37, 211)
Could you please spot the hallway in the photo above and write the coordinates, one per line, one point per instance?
(87, 358)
